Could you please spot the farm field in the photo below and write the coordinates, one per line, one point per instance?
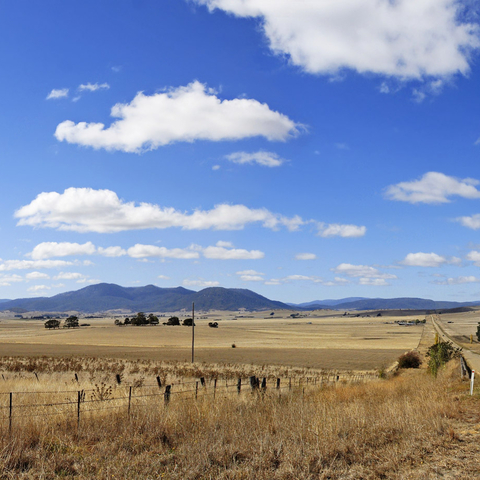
(459, 327)
(326, 340)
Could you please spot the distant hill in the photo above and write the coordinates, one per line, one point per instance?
(106, 296)
(400, 303)
(327, 303)
(4, 300)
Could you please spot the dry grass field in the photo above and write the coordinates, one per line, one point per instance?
(325, 340)
(459, 327)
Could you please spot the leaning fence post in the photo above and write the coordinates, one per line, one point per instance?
(167, 393)
(472, 381)
(79, 396)
(159, 382)
(239, 385)
(129, 400)
(10, 414)
(214, 387)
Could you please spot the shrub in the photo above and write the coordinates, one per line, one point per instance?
(440, 354)
(409, 360)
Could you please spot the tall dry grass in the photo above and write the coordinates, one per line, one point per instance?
(354, 431)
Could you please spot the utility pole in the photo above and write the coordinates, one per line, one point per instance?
(193, 332)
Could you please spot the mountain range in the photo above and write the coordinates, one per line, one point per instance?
(106, 296)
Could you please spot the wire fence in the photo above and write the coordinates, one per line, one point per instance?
(18, 405)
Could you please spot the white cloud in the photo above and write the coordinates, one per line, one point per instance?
(405, 38)
(220, 252)
(305, 256)
(472, 222)
(338, 230)
(474, 257)
(251, 276)
(8, 265)
(38, 288)
(7, 280)
(69, 276)
(111, 251)
(366, 274)
(294, 278)
(93, 87)
(184, 114)
(87, 210)
(216, 167)
(163, 277)
(57, 93)
(64, 249)
(144, 251)
(36, 276)
(433, 187)
(421, 259)
(200, 283)
(457, 280)
(266, 159)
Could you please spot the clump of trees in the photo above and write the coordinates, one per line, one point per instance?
(439, 354)
(52, 324)
(188, 322)
(71, 322)
(172, 322)
(139, 319)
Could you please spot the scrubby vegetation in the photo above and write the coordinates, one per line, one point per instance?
(409, 360)
(439, 354)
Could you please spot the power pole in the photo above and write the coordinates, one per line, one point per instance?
(193, 332)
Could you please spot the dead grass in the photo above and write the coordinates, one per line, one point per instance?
(397, 428)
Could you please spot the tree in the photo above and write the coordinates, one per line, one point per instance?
(478, 331)
(439, 354)
(139, 319)
(153, 320)
(118, 322)
(127, 321)
(172, 321)
(188, 322)
(71, 322)
(52, 324)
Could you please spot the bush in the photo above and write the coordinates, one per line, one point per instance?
(439, 354)
(409, 360)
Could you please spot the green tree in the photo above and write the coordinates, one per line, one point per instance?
(439, 354)
(52, 324)
(153, 320)
(71, 322)
(173, 321)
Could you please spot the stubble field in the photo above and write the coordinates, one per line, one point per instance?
(323, 340)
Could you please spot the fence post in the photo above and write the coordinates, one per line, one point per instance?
(472, 381)
(129, 399)
(196, 390)
(202, 381)
(79, 396)
(278, 384)
(290, 383)
(159, 382)
(214, 387)
(10, 415)
(254, 382)
(167, 393)
(239, 385)
(264, 384)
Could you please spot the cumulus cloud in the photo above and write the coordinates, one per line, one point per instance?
(266, 159)
(184, 114)
(163, 277)
(200, 283)
(338, 230)
(88, 210)
(64, 249)
(472, 222)
(38, 288)
(421, 259)
(251, 276)
(474, 257)
(57, 93)
(111, 251)
(366, 274)
(36, 276)
(8, 265)
(433, 187)
(294, 278)
(305, 256)
(406, 38)
(226, 252)
(457, 280)
(144, 251)
(93, 87)
(7, 280)
(69, 276)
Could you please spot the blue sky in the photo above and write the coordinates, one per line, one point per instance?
(304, 150)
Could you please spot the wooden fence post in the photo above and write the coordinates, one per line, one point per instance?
(239, 385)
(167, 393)
(196, 390)
(254, 382)
(214, 387)
(290, 383)
(264, 384)
(159, 382)
(129, 400)
(79, 396)
(10, 415)
(278, 384)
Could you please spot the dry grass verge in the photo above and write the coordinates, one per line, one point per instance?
(383, 429)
